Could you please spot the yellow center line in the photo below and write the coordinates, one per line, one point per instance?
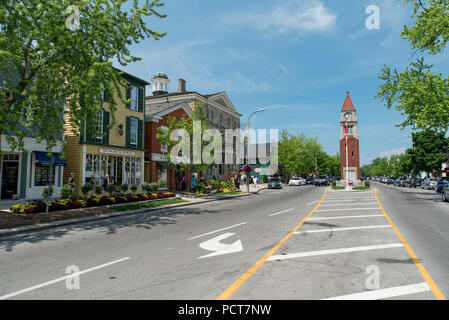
(240, 281)
(436, 291)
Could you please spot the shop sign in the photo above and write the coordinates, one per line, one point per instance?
(117, 152)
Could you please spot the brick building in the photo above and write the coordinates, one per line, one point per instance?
(220, 112)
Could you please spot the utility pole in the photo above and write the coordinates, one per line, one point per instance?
(247, 148)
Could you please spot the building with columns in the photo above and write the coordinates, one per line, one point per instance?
(348, 121)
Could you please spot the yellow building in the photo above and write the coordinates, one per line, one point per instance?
(117, 153)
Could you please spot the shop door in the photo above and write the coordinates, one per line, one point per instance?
(9, 179)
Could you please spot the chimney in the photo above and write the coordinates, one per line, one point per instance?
(182, 86)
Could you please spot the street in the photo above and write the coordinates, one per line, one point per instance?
(296, 243)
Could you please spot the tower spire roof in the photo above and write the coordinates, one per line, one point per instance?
(347, 105)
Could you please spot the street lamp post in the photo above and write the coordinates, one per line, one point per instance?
(249, 143)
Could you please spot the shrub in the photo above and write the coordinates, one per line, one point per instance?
(146, 187)
(85, 189)
(124, 187)
(334, 184)
(154, 186)
(66, 191)
(367, 184)
(98, 190)
(264, 179)
(111, 188)
(199, 188)
(162, 184)
(133, 188)
(47, 192)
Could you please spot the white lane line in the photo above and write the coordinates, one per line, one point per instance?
(275, 214)
(347, 217)
(345, 204)
(352, 209)
(215, 231)
(385, 293)
(338, 198)
(333, 251)
(344, 229)
(311, 203)
(72, 275)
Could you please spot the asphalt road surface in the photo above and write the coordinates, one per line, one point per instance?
(297, 243)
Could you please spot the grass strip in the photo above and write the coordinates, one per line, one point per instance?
(151, 204)
(228, 193)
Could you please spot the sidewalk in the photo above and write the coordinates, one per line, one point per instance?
(190, 201)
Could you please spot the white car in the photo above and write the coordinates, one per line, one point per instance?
(297, 182)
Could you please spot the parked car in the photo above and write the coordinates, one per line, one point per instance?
(322, 181)
(429, 183)
(310, 181)
(415, 182)
(445, 193)
(397, 182)
(390, 181)
(407, 182)
(297, 182)
(274, 183)
(442, 182)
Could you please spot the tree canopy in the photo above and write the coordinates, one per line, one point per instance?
(49, 69)
(301, 155)
(419, 94)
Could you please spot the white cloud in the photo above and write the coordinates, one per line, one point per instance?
(390, 153)
(298, 16)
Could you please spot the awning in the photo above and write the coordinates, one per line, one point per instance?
(43, 160)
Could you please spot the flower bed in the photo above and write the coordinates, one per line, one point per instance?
(67, 204)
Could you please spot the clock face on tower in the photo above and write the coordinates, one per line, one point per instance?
(348, 116)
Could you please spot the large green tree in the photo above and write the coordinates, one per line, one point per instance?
(56, 57)
(429, 150)
(195, 150)
(420, 95)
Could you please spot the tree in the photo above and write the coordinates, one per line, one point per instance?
(419, 94)
(187, 125)
(52, 65)
(429, 150)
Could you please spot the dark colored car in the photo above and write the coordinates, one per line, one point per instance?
(407, 182)
(397, 182)
(445, 193)
(414, 182)
(274, 183)
(310, 181)
(390, 181)
(322, 181)
(442, 182)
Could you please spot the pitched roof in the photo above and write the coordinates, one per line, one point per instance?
(347, 105)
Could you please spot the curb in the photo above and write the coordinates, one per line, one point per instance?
(4, 233)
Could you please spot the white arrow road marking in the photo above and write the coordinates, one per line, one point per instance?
(220, 248)
(62, 278)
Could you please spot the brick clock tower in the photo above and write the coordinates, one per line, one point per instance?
(349, 118)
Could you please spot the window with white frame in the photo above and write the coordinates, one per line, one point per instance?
(164, 147)
(133, 132)
(134, 98)
(99, 127)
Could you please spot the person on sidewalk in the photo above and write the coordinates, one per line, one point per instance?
(237, 181)
(71, 180)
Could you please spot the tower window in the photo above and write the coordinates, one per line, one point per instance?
(352, 153)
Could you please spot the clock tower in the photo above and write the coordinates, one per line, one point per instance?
(349, 135)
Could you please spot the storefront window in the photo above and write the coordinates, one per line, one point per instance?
(42, 176)
(162, 175)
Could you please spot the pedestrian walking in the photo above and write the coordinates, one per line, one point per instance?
(71, 180)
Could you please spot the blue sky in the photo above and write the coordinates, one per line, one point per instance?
(295, 58)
